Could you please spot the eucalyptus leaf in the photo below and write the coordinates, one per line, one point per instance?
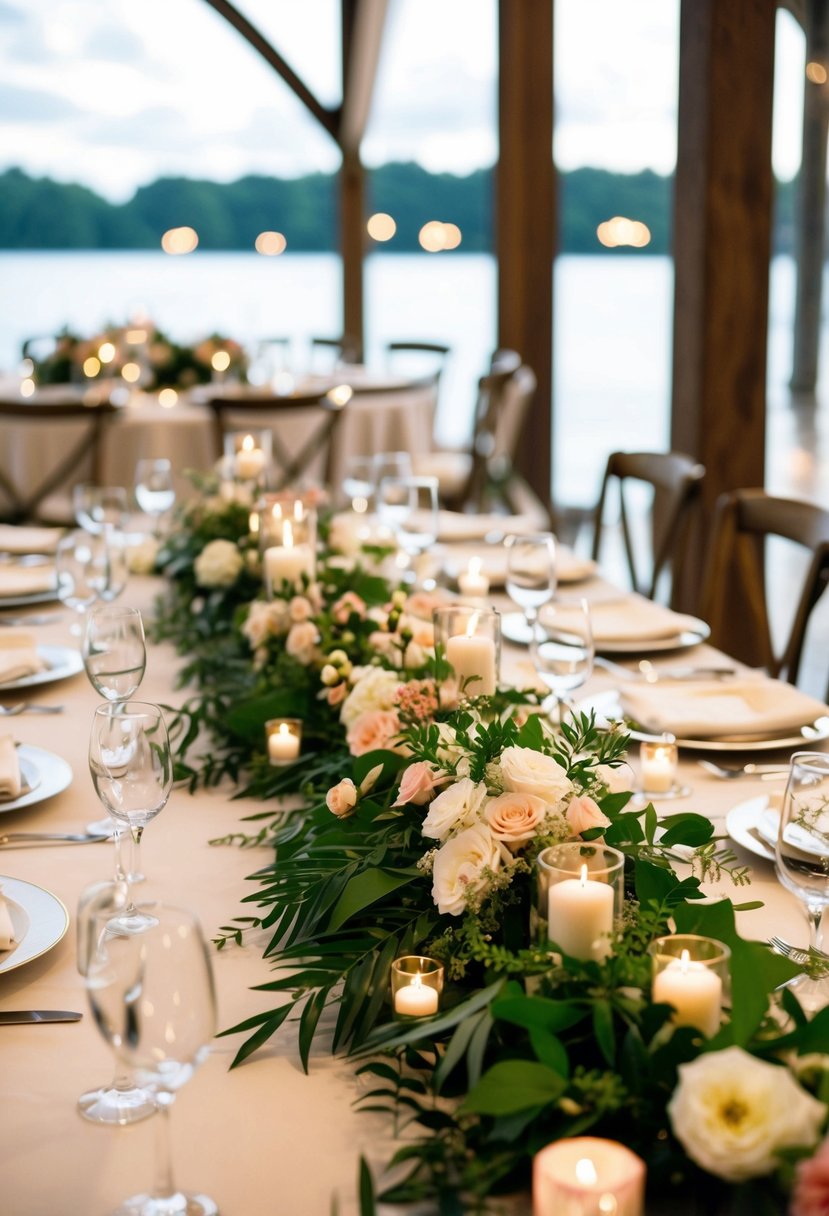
(514, 1085)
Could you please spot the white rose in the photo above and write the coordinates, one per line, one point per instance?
(529, 772)
(342, 798)
(458, 805)
(460, 868)
(265, 618)
(141, 557)
(732, 1113)
(374, 688)
(219, 564)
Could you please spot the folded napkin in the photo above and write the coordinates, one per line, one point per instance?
(18, 656)
(636, 619)
(26, 580)
(710, 709)
(28, 540)
(11, 781)
(6, 926)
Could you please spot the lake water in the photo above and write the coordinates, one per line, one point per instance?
(612, 317)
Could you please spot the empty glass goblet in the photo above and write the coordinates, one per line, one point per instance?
(154, 489)
(531, 578)
(561, 649)
(77, 569)
(802, 856)
(96, 506)
(152, 998)
(409, 507)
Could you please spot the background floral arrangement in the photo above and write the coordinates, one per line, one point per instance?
(162, 362)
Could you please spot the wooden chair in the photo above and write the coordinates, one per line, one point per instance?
(70, 452)
(345, 349)
(736, 600)
(432, 355)
(656, 535)
(317, 419)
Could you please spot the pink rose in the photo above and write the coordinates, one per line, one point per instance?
(811, 1188)
(300, 608)
(347, 604)
(419, 782)
(342, 798)
(514, 817)
(336, 695)
(373, 729)
(301, 641)
(583, 814)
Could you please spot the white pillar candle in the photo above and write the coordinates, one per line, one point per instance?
(580, 916)
(473, 657)
(473, 582)
(694, 990)
(586, 1175)
(250, 460)
(288, 563)
(416, 1000)
(283, 745)
(658, 766)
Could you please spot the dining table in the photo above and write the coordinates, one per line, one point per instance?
(262, 1138)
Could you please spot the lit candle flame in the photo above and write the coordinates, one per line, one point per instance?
(684, 962)
(585, 1169)
(287, 535)
(472, 625)
(583, 876)
(248, 443)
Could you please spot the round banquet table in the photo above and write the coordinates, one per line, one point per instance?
(263, 1138)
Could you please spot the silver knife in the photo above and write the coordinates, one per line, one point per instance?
(13, 1016)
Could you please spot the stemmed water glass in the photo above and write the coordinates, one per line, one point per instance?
(802, 856)
(132, 771)
(154, 489)
(97, 506)
(77, 569)
(409, 507)
(561, 649)
(152, 998)
(530, 577)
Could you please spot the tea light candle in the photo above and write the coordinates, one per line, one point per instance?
(580, 916)
(284, 740)
(250, 460)
(416, 1000)
(473, 582)
(588, 1175)
(473, 658)
(694, 990)
(658, 761)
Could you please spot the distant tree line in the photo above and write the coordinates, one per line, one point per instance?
(38, 213)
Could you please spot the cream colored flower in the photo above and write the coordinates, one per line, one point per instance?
(529, 772)
(515, 817)
(583, 814)
(732, 1113)
(460, 868)
(301, 642)
(455, 807)
(374, 688)
(374, 729)
(342, 798)
(266, 618)
(419, 782)
(219, 564)
(141, 557)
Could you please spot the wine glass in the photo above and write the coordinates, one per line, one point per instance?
(110, 563)
(358, 483)
(77, 570)
(561, 648)
(154, 489)
(132, 771)
(152, 998)
(121, 1101)
(97, 506)
(802, 856)
(531, 577)
(409, 507)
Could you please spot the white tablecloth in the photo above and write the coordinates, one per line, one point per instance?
(262, 1139)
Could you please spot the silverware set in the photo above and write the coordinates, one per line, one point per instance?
(729, 772)
(798, 955)
(646, 672)
(25, 838)
(28, 707)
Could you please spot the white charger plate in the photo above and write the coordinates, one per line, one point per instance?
(608, 708)
(61, 662)
(46, 774)
(39, 918)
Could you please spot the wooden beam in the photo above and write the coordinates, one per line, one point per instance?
(811, 206)
(328, 119)
(722, 246)
(525, 210)
(365, 40)
(352, 192)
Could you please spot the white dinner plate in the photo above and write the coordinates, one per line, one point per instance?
(608, 709)
(46, 775)
(61, 662)
(677, 641)
(39, 919)
(493, 558)
(741, 824)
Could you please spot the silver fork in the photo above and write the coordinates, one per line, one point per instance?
(728, 772)
(29, 707)
(797, 954)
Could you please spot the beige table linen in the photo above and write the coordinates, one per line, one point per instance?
(264, 1139)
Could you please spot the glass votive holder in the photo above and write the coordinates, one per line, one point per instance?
(579, 897)
(586, 1174)
(691, 973)
(287, 543)
(468, 639)
(283, 738)
(658, 759)
(416, 986)
(250, 454)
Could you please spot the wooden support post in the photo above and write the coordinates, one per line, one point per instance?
(811, 205)
(722, 246)
(526, 215)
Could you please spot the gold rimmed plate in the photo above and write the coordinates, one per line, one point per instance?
(39, 920)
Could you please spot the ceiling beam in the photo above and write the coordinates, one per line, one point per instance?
(363, 26)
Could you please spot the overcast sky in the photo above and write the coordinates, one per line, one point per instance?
(114, 94)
